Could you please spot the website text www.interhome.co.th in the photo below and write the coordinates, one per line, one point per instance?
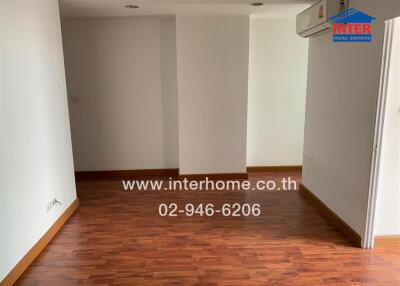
(285, 184)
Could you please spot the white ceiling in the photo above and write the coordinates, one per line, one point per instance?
(116, 8)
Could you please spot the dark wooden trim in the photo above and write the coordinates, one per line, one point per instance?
(214, 176)
(24, 263)
(125, 174)
(389, 240)
(274, 168)
(350, 233)
(174, 173)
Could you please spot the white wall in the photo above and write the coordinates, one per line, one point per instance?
(387, 216)
(277, 93)
(169, 88)
(213, 56)
(121, 76)
(1, 141)
(109, 88)
(36, 155)
(342, 92)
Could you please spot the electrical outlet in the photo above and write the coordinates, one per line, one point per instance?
(51, 204)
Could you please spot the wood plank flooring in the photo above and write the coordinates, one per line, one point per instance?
(118, 238)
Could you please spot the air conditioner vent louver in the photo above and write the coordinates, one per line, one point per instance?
(316, 18)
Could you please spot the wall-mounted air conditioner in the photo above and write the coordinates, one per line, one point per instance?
(316, 18)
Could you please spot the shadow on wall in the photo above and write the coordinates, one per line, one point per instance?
(122, 85)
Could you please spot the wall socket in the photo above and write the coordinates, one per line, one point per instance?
(51, 204)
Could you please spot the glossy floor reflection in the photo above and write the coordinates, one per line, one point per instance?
(118, 238)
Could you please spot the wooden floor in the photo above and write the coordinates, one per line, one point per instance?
(118, 238)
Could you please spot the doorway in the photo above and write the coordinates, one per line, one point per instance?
(384, 222)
